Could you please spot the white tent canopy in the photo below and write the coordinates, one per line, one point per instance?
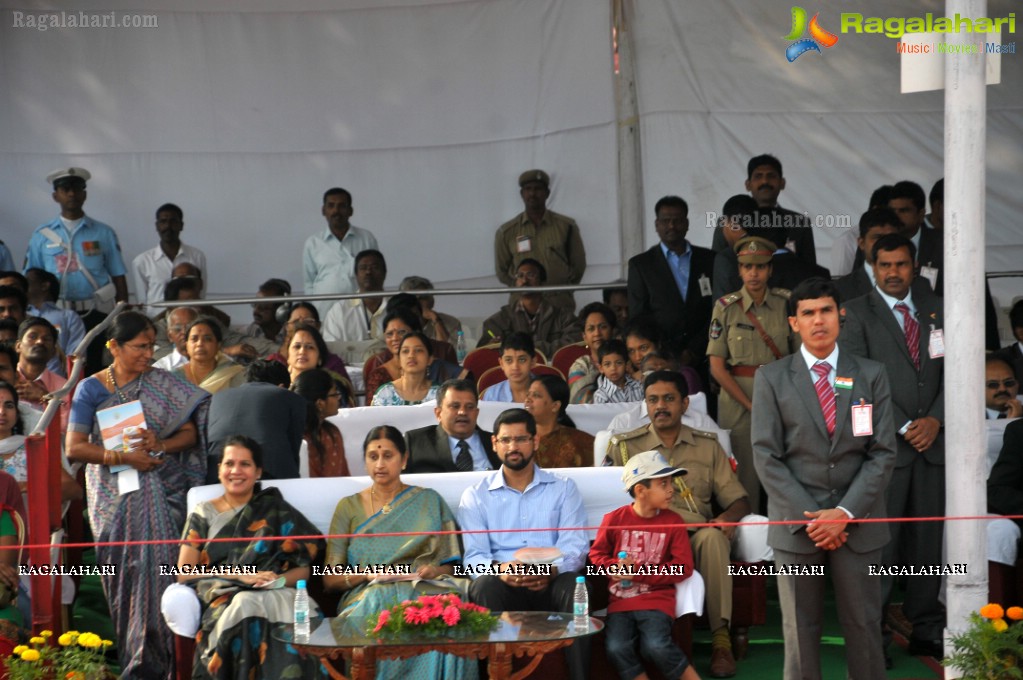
(427, 110)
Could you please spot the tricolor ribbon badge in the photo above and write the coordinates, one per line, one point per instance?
(818, 36)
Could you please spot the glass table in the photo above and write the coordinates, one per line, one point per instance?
(532, 634)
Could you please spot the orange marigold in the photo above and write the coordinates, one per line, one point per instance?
(1014, 613)
(992, 611)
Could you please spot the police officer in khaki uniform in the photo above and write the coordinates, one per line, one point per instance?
(749, 328)
(709, 478)
(548, 237)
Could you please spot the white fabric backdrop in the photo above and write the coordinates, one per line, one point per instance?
(428, 109)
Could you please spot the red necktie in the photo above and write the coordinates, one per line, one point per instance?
(912, 329)
(825, 394)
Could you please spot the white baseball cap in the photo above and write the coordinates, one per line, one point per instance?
(648, 465)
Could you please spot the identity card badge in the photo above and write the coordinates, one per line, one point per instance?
(523, 244)
(931, 274)
(704, 286)
(936, 344)
(863, 419)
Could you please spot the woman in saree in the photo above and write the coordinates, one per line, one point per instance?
(323, 438)
(242, 611)
(167, 458)
(12, 532)
(390, 505)
(207, 366)
(561, 444)
(599, 322)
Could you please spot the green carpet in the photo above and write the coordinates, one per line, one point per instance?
(765, 659)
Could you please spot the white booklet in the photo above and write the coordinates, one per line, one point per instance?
(112, 423)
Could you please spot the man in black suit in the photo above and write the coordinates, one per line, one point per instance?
(454, 444)
(1005, 483)
(671, 283)
(903, 331)
(908, 201)
(1013, 354)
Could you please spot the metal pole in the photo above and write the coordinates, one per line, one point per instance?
(630, 162)
(965, 455)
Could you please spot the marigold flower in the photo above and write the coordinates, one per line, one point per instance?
(65, 640)
(107, 643)
(30, 655)
(46, 633)
(1000, 625)
(19, 649)
(36, 640)
(992, 611)
(1014, 613)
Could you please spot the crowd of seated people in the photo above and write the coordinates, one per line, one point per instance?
(200, 380)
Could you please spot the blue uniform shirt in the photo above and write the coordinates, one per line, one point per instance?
(95, 246)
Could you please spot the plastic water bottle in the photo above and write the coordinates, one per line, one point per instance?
(622, 556)
(301, 611)
(581, 606)
(460, 349)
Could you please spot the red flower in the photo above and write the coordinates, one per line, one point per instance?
(385, 616)
(452, 615)
(415, 615)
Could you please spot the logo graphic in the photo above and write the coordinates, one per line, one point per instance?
(818, 35)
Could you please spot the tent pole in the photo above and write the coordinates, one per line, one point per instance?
(630, 162)
(965, 437)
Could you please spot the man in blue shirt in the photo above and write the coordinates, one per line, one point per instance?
(83, 253)
(520, 495)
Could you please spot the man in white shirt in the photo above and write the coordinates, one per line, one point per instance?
(328, 259)
(1000, 390)
(356, 319)
(153, 268)
(177, 321)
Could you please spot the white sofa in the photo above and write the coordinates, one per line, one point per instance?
(601, 489)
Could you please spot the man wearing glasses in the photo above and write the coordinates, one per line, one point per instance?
(520, 495)
(671, 283)
(710, 479)
(1000, 390)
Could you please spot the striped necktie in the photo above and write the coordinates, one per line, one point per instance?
(463, 462)
(912, 329)
(825, 394)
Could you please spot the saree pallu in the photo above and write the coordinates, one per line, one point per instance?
(413, 510)
(565, 447)
(235, 638)
(155, 511)
(226, 374)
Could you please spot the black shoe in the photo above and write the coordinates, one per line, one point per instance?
(931, 648)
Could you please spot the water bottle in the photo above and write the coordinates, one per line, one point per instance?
(460, 349)
(622, 556)
(301, 611)
(581, 606)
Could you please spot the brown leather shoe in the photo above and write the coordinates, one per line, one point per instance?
(722, 663)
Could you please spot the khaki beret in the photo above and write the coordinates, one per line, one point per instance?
(754, 250)
(534, 176)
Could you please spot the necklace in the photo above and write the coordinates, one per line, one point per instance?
(121, 396)
(386, 507)
(229, 504)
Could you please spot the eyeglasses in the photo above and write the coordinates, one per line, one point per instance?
(994, 384)
(527, 276)
(599, 327)
(141, 348)
(521, 439)
(396, 333)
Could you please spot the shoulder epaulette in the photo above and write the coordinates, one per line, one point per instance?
(706, 433)
(729, 299)
(782, 292)
(619, 437)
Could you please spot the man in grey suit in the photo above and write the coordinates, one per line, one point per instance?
(901, 328)
(824, 447)
(454, 444)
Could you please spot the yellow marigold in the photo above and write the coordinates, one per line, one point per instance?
(1014, 613)
(30, 655)
(1000, 625)
(992, 611)
(73, 633)
(19, 649)
(107, 643)
(65, 639)
(89, 640)
(46, 633)
(36, 640)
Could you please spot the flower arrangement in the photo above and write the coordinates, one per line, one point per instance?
(991, 648)
(433, 616)
(78, 656)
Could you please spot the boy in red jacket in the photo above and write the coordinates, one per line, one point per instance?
(657, 556)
